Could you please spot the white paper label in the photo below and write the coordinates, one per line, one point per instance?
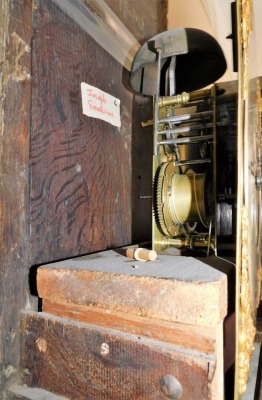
(98, 104)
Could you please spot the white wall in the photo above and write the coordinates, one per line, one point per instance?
(214, 17)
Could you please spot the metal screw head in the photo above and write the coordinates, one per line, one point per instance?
(104, 349)
(171, 387)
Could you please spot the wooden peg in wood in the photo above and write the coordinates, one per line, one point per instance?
(141, 254)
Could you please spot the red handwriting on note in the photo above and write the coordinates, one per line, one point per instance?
(99, 104)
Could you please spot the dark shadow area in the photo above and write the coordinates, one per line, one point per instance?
(142, 158)
(258, 390)
(121, 252)
(32, 283)
(142, 152)
(229, 383)
(32, 280)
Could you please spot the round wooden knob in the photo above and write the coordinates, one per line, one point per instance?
(171, 387)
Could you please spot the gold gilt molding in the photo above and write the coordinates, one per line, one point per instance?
(259, 175)
(247, 329)
(246, 15)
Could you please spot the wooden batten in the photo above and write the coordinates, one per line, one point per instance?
(194, 338)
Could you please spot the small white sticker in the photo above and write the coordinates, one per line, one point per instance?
(98, 104)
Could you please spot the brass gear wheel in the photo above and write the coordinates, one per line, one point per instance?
(179, 200)
(164, 218)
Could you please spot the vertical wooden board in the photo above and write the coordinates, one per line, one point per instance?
(144, 19)
(67, 359)
(15, 89)
(80, 166)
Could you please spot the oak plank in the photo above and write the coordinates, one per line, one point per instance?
(68, 358)
(80, 186)
(86, 174)
(182, 335)
(15, 92)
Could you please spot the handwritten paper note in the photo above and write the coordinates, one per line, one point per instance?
(98, 104)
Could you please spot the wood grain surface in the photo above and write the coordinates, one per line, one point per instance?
(82, 362)
(182, 335)
(15, 92)
(90, 182)
(80, 166)
(79, 171)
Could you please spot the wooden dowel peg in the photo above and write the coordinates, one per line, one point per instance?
(141, 254)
